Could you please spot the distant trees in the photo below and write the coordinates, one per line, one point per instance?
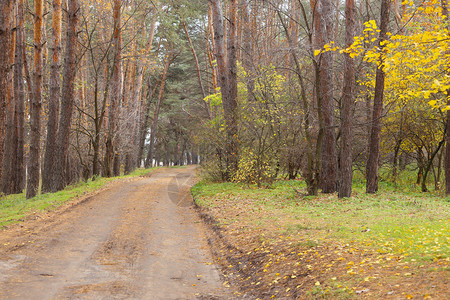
(327, 55)
(90, 116)
(154, 128)
(257, 90)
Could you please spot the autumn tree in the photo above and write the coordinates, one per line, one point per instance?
(146, 97)
(36, 103)
(374, 141)
(253, 86)
(19, 98)
(7, 104)
(444, 5)
(53, 106)
(227, 69)
(154, 127)
(5, 65)
(348, 99)
(323, 30)
(67, 98)
(111, 155)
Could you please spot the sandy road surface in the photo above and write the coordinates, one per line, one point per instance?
(136, 240)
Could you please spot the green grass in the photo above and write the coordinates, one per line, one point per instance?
(13, 208)
(398, 221)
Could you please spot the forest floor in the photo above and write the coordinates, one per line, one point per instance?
(143, 238)
(137, 238)
(278, 243)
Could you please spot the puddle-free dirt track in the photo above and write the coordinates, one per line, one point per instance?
(140, 239)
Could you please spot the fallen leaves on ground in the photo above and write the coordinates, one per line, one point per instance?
(259, 250)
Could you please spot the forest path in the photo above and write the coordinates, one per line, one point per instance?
(136, 240)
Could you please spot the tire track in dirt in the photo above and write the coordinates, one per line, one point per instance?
(131, 241)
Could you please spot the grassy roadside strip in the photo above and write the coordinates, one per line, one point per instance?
(14, 208)
(279, 244)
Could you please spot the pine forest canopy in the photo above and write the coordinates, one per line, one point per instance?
(259, 90)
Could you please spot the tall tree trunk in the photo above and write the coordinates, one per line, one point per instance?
(115, 97)
(247, 57)
(19, 97)
(232, 148)
(348, 101)
(67, 99)
(323, 23)
(312, 173)
(36, 103)
(145, 108)
(53, 105)
(133, 117)
(154, 128)
(98, 123)
(210, 46)
(219, 45)
(375, 133)
(227, 80)
(6, 12)
(197, 67)
(8, 179)
(444, 4)
(146, 118)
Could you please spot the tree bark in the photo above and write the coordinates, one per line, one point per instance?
(67, 99)
(197, 67)
(5, 68)
(154, 128)
(115, 97)
(375, 133)
(210, 46)
(247, 49)
(227, 80)
(312, 176)
(444, 4)
(430, 163)
(8, 139)
(8, 181)
(230, 102)
(219, 45)
(36, 103)
(53, 105)
(146, 119)
(323, 25)
(348, 101)
(133, 117)
(145, 108)
(98, 123)
(19, 97)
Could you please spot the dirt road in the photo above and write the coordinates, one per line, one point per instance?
(136, 240)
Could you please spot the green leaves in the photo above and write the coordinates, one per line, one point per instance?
(214, 99)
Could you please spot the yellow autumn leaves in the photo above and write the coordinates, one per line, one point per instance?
(416, 59)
